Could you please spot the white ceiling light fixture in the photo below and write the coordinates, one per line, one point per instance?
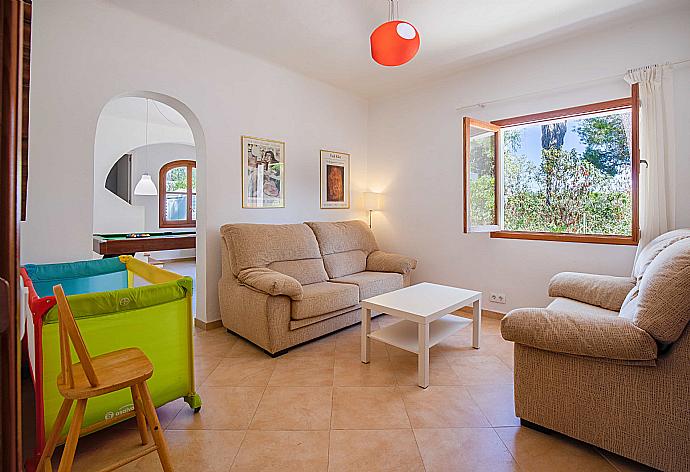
(145, 186)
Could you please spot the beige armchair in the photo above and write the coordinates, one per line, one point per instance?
(608, 361)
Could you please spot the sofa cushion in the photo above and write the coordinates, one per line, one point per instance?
(343, 236)
(306, 271)
(344, 246)
(663, 302)
(567, 305)
(345, 263)
(324, 297)
(256, 245)
(654, 248)
(373, 283)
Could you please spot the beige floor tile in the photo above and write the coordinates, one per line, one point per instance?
(241, 372)
(354, 373)
(535, 451)
(229, 408)
(441, 407)
(243, 348)
(621, 464)
(362, 450)
(395, 352)
(508, 360)
(478, 370)
(349, 346)
(496, 402)
(464, 450)
(368, 408)
(460, 345)
(100, 449)
(324, 347)
(214, 345)
(303, 372)
(294, 408)
(283, 451)
(208, 451)
(166, 414)
(491, 326)
(440, 372)
(203, 366)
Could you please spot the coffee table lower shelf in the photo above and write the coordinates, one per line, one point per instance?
(404, 334)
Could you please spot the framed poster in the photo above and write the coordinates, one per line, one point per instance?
(263, 173)
(335, 179)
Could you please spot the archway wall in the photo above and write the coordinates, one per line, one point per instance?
(121, 129)
(84, 54)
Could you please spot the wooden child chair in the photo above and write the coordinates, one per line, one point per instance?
(95, 376)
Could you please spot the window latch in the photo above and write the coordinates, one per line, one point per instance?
(646, 164)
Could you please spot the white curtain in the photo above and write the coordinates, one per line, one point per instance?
(658, 148)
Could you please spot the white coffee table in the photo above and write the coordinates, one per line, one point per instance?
(425, 310)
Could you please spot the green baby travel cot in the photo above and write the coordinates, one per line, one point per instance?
(117, 303)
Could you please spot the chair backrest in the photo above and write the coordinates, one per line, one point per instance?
(69, 331)
(646, 255)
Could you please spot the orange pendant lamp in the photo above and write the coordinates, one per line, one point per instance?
(395, 42)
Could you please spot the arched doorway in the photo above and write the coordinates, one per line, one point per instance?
(171, 129)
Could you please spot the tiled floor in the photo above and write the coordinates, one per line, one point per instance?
(319, 408)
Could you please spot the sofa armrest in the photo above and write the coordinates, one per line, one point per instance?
(605, 291)
(610, 337)
(379, 261)
(271, 282)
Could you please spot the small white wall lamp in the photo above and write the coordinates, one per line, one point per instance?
(373, 202)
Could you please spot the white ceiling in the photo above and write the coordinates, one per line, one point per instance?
(329, 39)
(134, 108)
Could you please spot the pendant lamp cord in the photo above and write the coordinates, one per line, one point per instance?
(393, 10)
(146, 138)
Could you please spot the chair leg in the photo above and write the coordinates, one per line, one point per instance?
(156, 430)
(72, 437)
(139, 413)
(44, 464)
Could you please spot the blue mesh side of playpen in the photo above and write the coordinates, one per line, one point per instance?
(97, 275)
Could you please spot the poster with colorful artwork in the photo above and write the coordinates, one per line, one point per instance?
(335, 179)
(263, 173)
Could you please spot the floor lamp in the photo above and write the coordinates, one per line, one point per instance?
(372, 202)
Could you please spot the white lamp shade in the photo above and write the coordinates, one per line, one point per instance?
(145, 186)
(373, 201)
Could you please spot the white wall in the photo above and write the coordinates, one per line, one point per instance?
(415, 156)
(122, 128)
(84, 53)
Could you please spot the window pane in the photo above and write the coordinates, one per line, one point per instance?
(194, 207)
(569, 176)
(176, 179)
(193, 179)
(482, 177)
(175, 207)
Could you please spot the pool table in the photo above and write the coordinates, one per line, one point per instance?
(113, 245)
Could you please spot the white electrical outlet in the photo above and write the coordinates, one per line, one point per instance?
(497, 297)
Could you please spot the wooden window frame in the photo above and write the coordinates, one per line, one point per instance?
(162, 221)
(632, 102)
(468, 123)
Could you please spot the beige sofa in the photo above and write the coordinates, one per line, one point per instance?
(608, 362)
(283, 285)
